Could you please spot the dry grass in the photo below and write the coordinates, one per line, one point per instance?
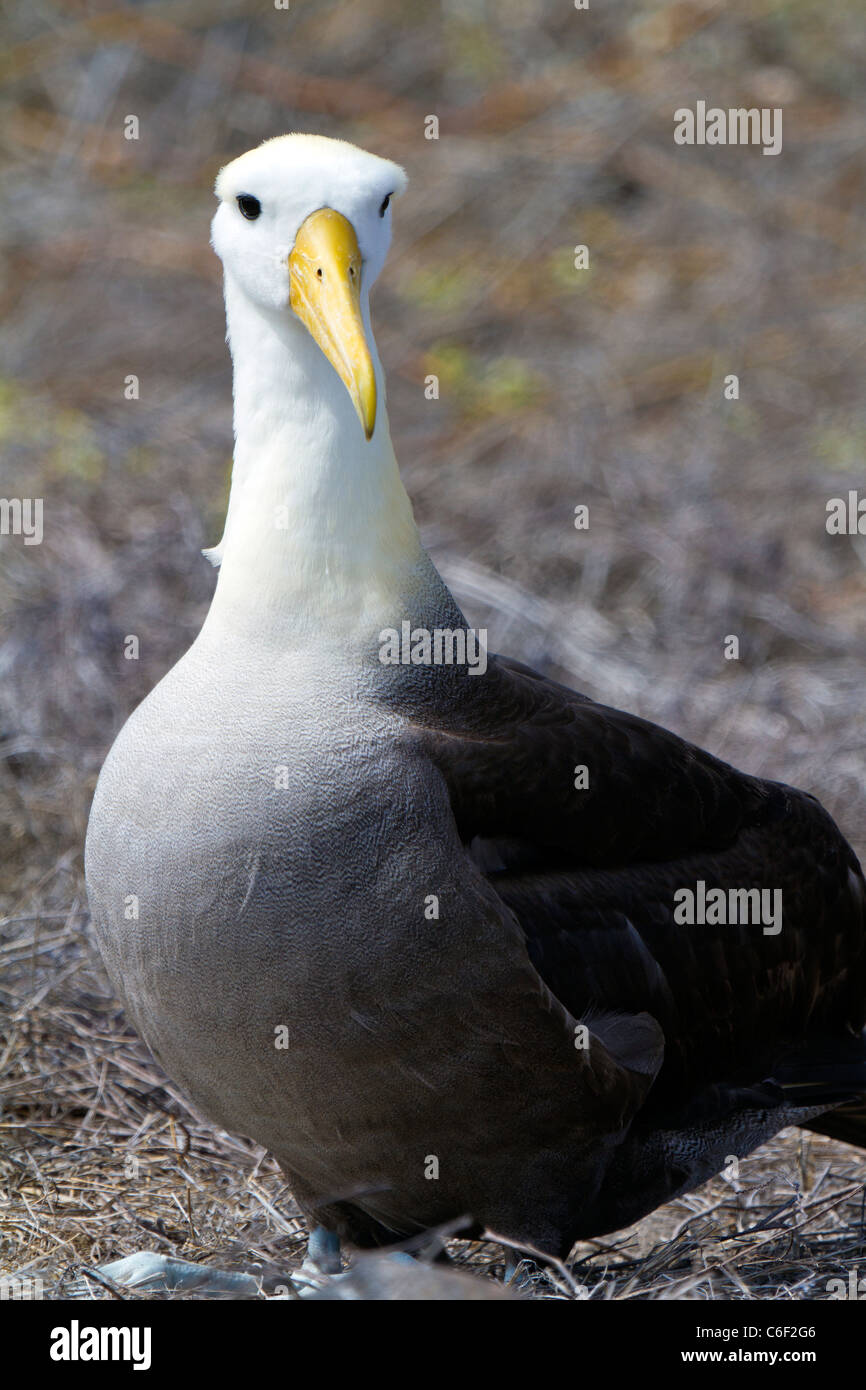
(707, 517)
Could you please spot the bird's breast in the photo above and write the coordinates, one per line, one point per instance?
(245, 847)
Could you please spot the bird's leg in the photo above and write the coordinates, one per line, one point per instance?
(323, 1251)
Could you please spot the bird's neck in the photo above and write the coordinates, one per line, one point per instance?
(319, 531)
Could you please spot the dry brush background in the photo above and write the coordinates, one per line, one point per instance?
(557, 387)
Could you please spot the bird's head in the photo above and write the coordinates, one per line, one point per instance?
(303, 228)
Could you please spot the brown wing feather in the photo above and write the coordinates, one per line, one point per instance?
(591, 873)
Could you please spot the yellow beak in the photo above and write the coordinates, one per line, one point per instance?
(325, 278)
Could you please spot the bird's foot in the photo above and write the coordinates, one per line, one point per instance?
(520, 1272)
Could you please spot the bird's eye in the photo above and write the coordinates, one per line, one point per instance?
(249, 206)
(384, 208)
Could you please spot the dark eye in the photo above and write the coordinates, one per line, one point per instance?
(249, 206)
(384, 208)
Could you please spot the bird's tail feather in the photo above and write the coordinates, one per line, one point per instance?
(834, 1075)
(846, 1122)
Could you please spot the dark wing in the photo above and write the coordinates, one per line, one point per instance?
(590, 861)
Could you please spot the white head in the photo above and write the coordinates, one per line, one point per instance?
(319, 528)
(303, 229)
(291, 177)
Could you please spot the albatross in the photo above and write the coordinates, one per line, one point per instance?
(364, 912)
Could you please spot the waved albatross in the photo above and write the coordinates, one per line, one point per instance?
(548, 1052)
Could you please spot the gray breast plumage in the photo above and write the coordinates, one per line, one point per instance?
(260, 872)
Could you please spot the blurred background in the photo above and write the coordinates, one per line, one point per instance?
(557, 387)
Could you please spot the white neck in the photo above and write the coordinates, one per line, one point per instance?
(319, 532)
